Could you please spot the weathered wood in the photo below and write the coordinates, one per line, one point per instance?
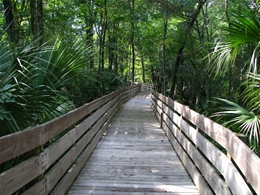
(54, 175)
(210, 174)
(67, 180)
(49, 164)
(236, 183)
(58, 125)
(18, 143)
(15, 178)
(222, 162)
(96, 131)
(131, 158)
(191, 168)
(238, 151)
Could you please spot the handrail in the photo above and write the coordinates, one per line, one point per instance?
(56, 151)
(210, 152)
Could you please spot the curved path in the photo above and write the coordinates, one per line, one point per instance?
(134, 157)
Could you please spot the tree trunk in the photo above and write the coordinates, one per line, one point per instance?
(89, 32)
(33, 11)
(143, 69)
(164, 52)
(110, 52)
(40, 21)
(102, 39)
(132, 39)
(112, 48)
(182, 46)
(230, 70)
(10, 22)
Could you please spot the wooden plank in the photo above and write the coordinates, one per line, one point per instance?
(69, 177)
(69, 159)
(119, 165)
(59, 124)
(65, 142)
(54, 175)
(158, 187)
(18, 143)
(29, 139)
(191, 168)
(208, 172)
(239, 152)
(236, 183)
(15, 178)
(50, 179)
(38, 188)
(67, 180)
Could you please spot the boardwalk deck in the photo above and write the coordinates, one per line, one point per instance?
(134, 157)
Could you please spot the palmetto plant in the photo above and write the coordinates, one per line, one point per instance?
(243, 32)
(33, 83)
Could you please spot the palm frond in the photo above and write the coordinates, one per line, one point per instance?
(251, 94)
(233, 115)
(223, 56)
(243, 30)
(33, 80)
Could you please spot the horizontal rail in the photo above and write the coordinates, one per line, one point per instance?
(52, 154)
(208, 149)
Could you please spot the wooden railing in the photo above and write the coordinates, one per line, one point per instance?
(147, 87)
(216, 159)
(53, 153)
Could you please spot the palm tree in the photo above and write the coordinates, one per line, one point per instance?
(243, 32)
(33, 83)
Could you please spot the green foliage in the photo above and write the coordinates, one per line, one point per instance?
(236, 116)
(49, 80)
(242, 33)
(88, 86)
(251, 94)
(243, 30)
(33, 81)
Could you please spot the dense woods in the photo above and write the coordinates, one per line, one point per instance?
(57, 55)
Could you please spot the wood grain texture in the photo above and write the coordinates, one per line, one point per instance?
(63, 166)
(56, 161)
(210, 174)
(247, 162)
(18, 176)
(18, 143)
(134, 157)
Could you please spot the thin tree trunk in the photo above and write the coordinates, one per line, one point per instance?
(182, 46)
(152, 75)
(230, 71)
(33, 11)
(40, 20)
(89, 32)
(10, 22)
(103, 39)
(112, 49)
(143, 69)
(132, 40)
(110, 52)
(164, 52)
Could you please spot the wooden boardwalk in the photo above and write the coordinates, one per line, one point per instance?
(134, 157)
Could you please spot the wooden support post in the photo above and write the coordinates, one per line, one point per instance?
(161, 121)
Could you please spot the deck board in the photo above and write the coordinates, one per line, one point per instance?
(134, 157)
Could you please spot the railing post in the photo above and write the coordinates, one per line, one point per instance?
(161, 121)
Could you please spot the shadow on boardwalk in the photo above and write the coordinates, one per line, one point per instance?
(134, 157)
